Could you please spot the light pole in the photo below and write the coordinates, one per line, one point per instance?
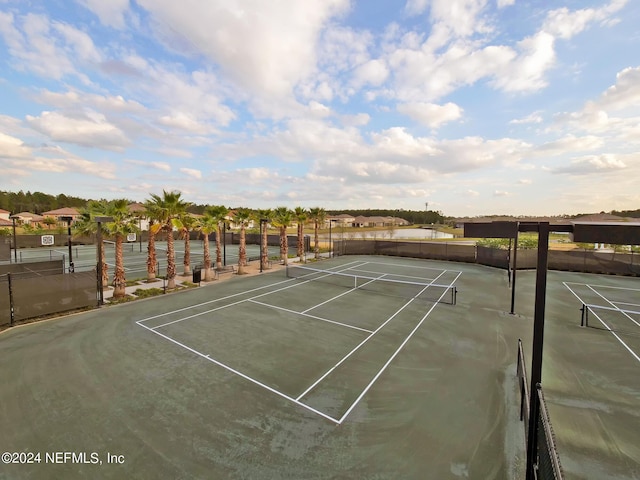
(68, 220)
(15, 244)
(331, 220)
(263, 247)
(100, 221)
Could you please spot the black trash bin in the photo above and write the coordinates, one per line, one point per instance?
(197, 274)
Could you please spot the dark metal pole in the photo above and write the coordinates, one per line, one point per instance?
(15, 243)
(330, 249)
(99, 266)
(538, 338)
(140, 228)
(71, 268)
(261, 246)
(514, 268)
(224, 244)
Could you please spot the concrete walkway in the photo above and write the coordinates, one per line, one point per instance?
(250, 270)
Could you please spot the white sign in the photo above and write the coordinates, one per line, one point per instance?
(131, 237)
(47, 240)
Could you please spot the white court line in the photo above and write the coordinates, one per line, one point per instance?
(246, 377)
(362, 343)
(338, 296)
(602, 286)
(231, 304)
(423, 280)
(310, 316)
(396, 352)
(227, 297)
(605, 325)
(409, 266)
(613, 305)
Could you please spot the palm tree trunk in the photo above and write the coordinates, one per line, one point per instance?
(207, 258)
(242, 251)
(187, 254)
(152, 259)
(119, 281)
(264, 255)
(171, 259)
(284, 246)
(105, 267)
(300, 242)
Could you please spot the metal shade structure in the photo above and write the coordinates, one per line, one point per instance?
(620, 233)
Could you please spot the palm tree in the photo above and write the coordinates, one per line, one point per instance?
(282, 217)
(242, 217)
(317, 215)
(153, 216)
(168, 208)
(218, 214)
(86, 225)
(123, 223)
(185, 223)
(301, 215)
(264, 214)
(206, 225)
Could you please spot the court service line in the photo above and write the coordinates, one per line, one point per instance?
(364, 392)
(410, 266)
(613, 305)
(310, 316)
(231, 304)
(246, 377)
(326, 374)
(616, 335)
(227, 297)
(605, 325)
(341, 295)
(602, 286)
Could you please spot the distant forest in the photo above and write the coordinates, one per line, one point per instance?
(38, 202)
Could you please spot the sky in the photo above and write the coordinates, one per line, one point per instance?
(467, 107)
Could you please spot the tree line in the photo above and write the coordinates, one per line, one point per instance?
(412, 216)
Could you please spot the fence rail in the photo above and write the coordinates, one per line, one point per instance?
(546, 465)
(586, 261)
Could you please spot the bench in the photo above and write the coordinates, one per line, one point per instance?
(225, 269)
(256, 258)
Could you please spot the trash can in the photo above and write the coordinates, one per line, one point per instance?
(197, 274)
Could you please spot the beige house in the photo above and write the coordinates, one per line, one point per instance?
(28, 218)
(63, 212)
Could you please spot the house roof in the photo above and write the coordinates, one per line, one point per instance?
(6, 223)
(61, 211)
(136, 207)
(33, 216)
(4, 211)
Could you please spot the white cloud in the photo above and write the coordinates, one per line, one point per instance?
(111, 12)
(534, 117)
(430, 114)
(48, 49)
(192, 172)
(265, 47)
(569, 144)
(597, 164)
(13, 148)
(501, 193)
(89, 130)
(162, 166)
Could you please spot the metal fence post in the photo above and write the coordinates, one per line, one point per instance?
(11, 310)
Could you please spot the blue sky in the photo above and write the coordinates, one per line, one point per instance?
(474, 106)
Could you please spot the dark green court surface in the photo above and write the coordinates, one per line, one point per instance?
(272, 377)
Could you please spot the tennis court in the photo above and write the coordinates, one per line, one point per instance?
(135, 256)
(362, 367)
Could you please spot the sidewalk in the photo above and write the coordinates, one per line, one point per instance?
(251, 269)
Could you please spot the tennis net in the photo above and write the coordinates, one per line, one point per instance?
(611, 318)
(383, 284)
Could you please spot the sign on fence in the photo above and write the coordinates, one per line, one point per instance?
(47, 240)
